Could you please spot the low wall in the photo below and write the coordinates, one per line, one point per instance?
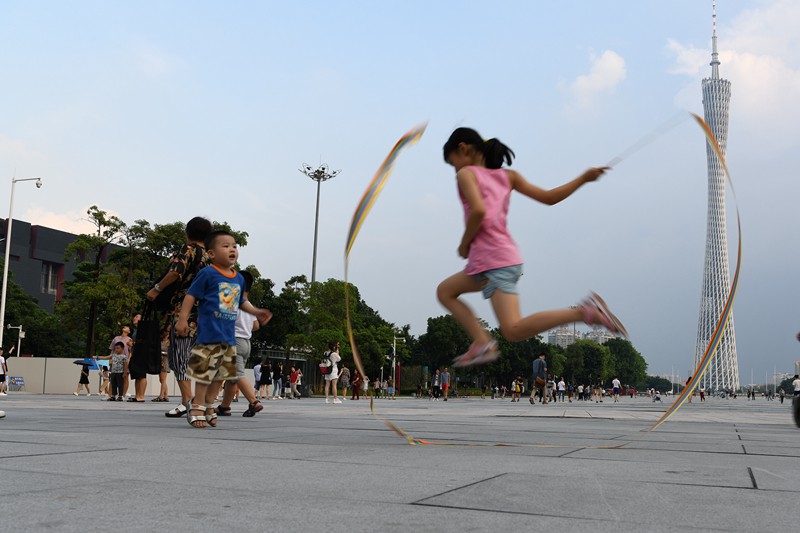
(54, 375)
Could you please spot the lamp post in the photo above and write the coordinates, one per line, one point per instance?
(394, 356)
(19, 337)
(320, 174)
(8, 250)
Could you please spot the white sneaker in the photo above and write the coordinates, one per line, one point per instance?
(326, 401)
(88, 394)
(3, 394)
(75, 393)
(337, 400)
(2, 414)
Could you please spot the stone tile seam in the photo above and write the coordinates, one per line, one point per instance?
(592, 519)
(8, 457)
(420, 502)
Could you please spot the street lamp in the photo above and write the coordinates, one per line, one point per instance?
(8, 250)
(19, 338)
(394, 356)
(320, 174)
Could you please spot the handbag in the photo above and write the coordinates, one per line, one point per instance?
(540, 381)
(146, 356)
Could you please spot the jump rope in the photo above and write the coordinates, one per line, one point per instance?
(379, 180)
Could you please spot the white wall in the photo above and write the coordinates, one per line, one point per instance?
(54, 375)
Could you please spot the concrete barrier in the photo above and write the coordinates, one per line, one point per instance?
(55, 375)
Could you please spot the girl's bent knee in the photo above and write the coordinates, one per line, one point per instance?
(442, 294)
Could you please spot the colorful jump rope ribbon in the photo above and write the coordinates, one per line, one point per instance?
(727, 311)
(361, 212)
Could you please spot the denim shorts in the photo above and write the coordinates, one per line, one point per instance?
(503, 278)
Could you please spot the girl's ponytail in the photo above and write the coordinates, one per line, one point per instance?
(495, 153)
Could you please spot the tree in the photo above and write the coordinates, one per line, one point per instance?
(443, 340)
(658, 383)
(589, 362)
(631, 368)
(43, 336)
(96, 298)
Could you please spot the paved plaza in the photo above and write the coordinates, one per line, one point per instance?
(83, 464)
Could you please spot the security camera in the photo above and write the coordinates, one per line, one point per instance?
(39, 183)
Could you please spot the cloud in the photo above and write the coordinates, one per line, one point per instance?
(73, 221)
(152, 62)
(757, 54)
(17, 149)
(606, 73)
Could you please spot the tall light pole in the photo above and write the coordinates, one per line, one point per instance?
(320, 174)
(394, 356)
(8, 250)
(19, 337)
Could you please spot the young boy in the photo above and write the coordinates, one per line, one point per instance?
(244, 326)
(118, 370)
(219, 292)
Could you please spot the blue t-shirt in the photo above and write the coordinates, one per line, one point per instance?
(218, 295)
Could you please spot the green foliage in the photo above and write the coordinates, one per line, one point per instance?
(43, 335)
(588, 362)
(116, 265)
(108, 288)
(658, 383)
(631, 368)
(443, 340)
(786, 385)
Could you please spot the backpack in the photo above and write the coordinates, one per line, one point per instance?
(326, 364)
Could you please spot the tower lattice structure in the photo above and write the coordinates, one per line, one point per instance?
(723, 372)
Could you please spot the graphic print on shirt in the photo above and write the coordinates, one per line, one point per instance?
(228, 300)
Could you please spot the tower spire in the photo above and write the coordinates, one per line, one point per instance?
(714, 54)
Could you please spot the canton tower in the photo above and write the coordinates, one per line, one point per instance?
(723, 372)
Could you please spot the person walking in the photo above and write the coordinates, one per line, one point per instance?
(183, 267)
(244, 326)
(83, 381)
(344, 380)
(356, 384)
(332, 377)
(265, 380)
(277, 381)
(4, 373)
(445, 383)
(163, 393)
(294, 376)
(615, 387)
(436, 385)
(539, 375)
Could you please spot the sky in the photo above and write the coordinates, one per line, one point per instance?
(166, 110)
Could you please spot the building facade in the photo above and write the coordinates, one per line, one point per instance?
(566, 335)
(36, 260)
(723, 371)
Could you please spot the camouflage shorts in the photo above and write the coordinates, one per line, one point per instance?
(212, 362)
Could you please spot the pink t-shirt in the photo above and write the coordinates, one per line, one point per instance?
(492, 246)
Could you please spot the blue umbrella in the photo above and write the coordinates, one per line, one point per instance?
(89, 362)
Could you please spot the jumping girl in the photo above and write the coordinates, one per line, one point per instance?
(494, 264)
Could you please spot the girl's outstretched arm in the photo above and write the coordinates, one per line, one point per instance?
(468, 185)
(553, 196)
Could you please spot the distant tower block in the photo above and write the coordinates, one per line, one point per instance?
(723, 372)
